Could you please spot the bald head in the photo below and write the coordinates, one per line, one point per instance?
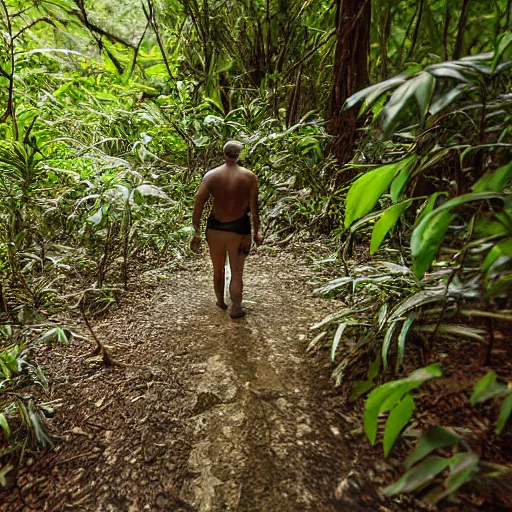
(232, 149)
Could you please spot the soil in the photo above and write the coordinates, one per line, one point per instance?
(203, 413)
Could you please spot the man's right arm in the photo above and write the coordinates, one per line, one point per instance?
(253, 203)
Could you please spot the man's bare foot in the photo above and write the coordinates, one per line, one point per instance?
(221, 305)
(237, 314)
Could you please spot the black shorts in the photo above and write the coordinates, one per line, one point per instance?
(241, 226)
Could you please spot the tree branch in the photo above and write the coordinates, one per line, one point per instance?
(35, 22)
(149, 12)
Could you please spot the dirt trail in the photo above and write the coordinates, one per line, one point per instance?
(208, 414)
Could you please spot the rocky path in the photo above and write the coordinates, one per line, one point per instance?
(206, 413)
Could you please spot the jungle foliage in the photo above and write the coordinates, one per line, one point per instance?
(110, 112)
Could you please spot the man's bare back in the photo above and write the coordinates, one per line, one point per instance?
(234, 191)
(232, 187)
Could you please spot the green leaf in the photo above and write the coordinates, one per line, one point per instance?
(386, 223)
(506, 409)
(396, 104)
(429, 233)
(360, 388)
(374, 368)
(448, 72)
(505, 40)
(501, 286)
(504, 248)
(426, 240)
(402, 338)
(399, 183)
(387, 343)
(370, 420)
(366, 190)
(57, 334)
(494, 181)
(337, 337)
(436, 437)
(463, 331)
(416, 300)
(385, 397)
(462, 468)
(444, 100)
(398, 418)
(5, 426)
(423, 91)
(486, 388)
(418, 476)
(373, 92)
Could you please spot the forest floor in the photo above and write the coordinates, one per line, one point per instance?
(205, 413)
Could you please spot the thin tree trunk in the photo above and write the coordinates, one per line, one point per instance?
(353, 18)
(416, 31)
(384, 41)
(459, 43)
(446, 29)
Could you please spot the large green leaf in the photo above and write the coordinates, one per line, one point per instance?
(429, 233)
(386, 223)
(495, 181)
(436, 437)
(447, 98)
(385, 397)
(426, 240)
(370, 94)
(423, 91)
(396, 104)
(366, 190)
(398, 418)
(418, 476)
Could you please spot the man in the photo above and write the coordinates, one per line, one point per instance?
(235, 195)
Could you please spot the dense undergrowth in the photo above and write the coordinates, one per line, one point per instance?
(107, 135)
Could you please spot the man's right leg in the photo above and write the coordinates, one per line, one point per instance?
(238, 247)
(218, 246)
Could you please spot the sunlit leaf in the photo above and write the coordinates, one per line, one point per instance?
(398, 418)
(366, 190)
(386, 223)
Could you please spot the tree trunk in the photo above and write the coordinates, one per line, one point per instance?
(353, 18)
(459, 43)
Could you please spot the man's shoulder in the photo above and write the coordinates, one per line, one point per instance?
(212, 172)
(248, 172)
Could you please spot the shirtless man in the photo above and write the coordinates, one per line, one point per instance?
(228, 229)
